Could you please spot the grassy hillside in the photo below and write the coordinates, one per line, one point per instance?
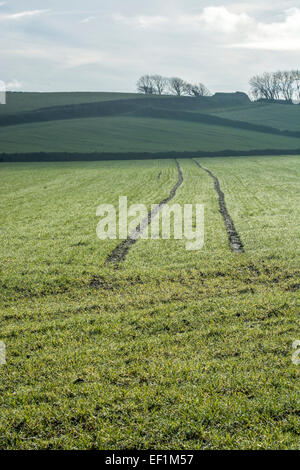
(173, 350)
(126, 134)
(18, 102)
(281, 116)
(116, 122)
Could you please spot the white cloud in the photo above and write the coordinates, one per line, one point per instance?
(13, 85)
(109, 45)
(67, 57)
(216, 19)
(276, 36)
(144, 21)
(22, 14)
(77, 58)
(88, 19)
(220, 19)
(73, 58)
(150, 21)
(28, 51)
(277, 45)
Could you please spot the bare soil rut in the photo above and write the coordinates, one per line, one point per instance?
(120, 252)
(234, 240)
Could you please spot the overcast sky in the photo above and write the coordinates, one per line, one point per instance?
(105, 45)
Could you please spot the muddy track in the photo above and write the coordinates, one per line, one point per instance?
(234, 240)
(120, 252)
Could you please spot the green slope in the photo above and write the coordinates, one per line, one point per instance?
(126, 134)
(18, 102)
(128, 122)
(281, 116)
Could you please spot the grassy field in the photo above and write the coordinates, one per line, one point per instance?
(174, 349)
(121, 123)
(280, 116)
(132, 134)
(18, 102)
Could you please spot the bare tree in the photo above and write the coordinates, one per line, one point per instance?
(145, 85)
(286, 85)
(276, 85)
(283, 85)
(296, 80)
(177, 86)
(203, 90)
(265, 86)
(197, 90)
(159, 83)
(257, 88)
(188, 89)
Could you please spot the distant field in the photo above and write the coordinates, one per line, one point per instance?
(17, 102)
(128, 122)
(281, 116)
(174, 349)
(129, 134)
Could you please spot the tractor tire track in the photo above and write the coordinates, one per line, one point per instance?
(234, 240)
(120, 252)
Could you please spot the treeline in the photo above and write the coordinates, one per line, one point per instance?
(159, 85)
(86, 157)
(281, 85)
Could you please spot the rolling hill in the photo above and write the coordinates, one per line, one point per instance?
(120, 123)
(281, 116)
(134, 134)
(18, 102)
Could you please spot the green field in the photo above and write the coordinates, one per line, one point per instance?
(280, 116)
(172, 349)
(169, 348)
(123, 123)
(132, 134)
(18, 102)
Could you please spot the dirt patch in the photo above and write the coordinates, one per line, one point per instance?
(99, 282)
(120, 252)
(293, 287)
(234, 240)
